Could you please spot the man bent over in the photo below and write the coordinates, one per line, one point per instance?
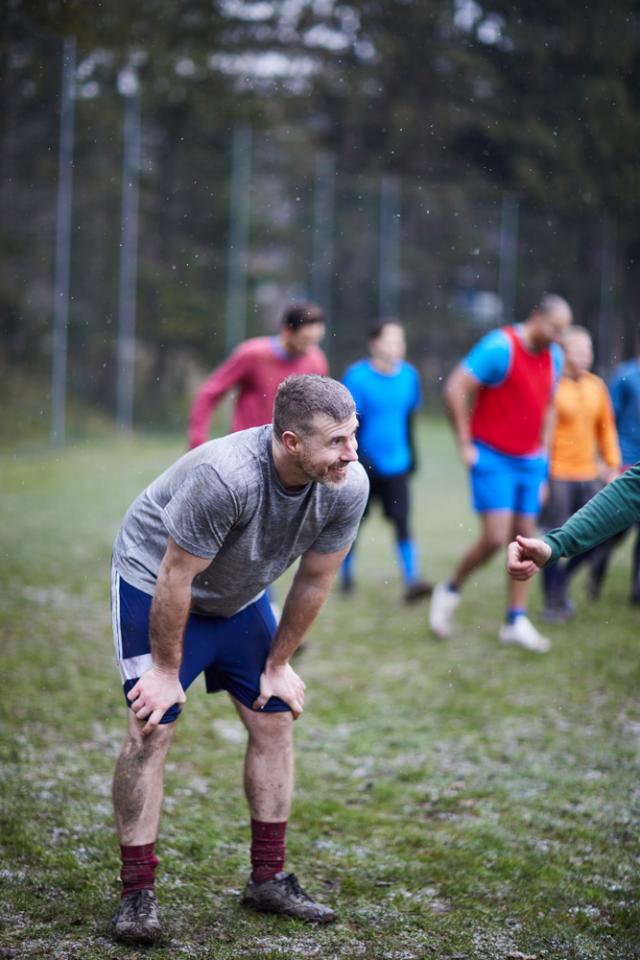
(191, 562)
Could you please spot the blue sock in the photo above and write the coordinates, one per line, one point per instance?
(408, 560)
(513, 613)
(451, 587)
(346, 570)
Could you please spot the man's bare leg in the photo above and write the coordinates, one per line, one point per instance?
(268, 764)
(138, 789)
(138, 782)
(495, 530)
(268, 784)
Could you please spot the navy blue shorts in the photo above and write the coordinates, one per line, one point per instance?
(230, 651)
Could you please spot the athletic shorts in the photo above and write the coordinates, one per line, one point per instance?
(230, 651)
(503, 482)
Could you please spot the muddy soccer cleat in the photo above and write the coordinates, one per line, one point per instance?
(284, 895)
(136, 919)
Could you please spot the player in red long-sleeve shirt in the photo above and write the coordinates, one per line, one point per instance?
(257, 368)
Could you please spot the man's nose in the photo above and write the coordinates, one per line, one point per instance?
(350, 448)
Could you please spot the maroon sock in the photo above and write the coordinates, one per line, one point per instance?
(138, 868)
(267, 849)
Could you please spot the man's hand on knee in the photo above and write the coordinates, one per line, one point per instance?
(282, 682)
(153, 694)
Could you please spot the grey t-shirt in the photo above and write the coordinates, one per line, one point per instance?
(224, 500)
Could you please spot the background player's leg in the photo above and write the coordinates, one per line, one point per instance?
(495, 528)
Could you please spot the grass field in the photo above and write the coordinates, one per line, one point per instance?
(453, 800)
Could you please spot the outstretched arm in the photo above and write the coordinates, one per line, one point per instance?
(308, 592)
(612, 510)
(227, 376)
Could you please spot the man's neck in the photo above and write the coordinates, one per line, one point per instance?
(282, 343)
(383, 366)
(529, 342)
(289, 473)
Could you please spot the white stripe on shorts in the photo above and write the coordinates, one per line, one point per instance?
(134, 667)
(130, 667)
(115, 612)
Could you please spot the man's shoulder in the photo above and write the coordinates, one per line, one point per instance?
(627, 370)
(317, 355)
(255, 346)
(409, 370)
(357, 482)
(358, 368)
(237, 454)
(594, 381)
(498, 338)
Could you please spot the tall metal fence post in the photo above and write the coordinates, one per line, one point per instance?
(322, 248)
(63, 246)
(605, 316)
(389, 246)
(238, 236)
(128, 86)
(508, 264)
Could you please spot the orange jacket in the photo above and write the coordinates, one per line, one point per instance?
(585, 429)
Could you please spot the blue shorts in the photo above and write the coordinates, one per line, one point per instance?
(503, 482)
(230, 651)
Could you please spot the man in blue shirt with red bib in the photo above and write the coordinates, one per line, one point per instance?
(387, 393)
(498, 400)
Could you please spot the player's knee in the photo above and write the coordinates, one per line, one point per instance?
(272, 731)
(139, 749)
(496, 540)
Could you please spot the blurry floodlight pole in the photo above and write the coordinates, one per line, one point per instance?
(508, 265)
(603, 339)
(389, 245)
(63, 245)
(238, 236)
(322, 249)
(128, 86)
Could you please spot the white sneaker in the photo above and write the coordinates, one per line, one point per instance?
(443, 605)
(522, 633)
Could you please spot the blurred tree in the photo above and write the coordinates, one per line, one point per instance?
(462, 98)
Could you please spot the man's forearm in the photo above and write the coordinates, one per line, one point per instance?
(169, 612)
(458, 412)
(304, 601)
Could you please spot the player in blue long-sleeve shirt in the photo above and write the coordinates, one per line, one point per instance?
(624, 387)
(387, 393)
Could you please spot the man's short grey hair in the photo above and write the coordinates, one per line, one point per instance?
(301, 398)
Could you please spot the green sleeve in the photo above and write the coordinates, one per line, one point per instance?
(615, 508)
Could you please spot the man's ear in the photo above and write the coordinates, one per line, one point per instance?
(291, 442)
